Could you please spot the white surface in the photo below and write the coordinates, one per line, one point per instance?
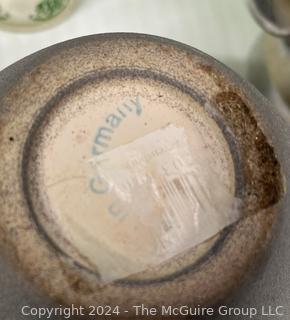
(221, 28)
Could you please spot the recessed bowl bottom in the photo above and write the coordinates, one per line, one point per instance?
(97, 115)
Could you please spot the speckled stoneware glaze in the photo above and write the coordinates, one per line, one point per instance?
(51, 87)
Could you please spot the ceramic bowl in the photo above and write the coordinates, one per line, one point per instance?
(51, 104)
(32, 14)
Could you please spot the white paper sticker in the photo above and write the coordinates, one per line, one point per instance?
(164, 191)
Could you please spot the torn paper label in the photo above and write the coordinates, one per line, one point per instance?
(161, 197)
